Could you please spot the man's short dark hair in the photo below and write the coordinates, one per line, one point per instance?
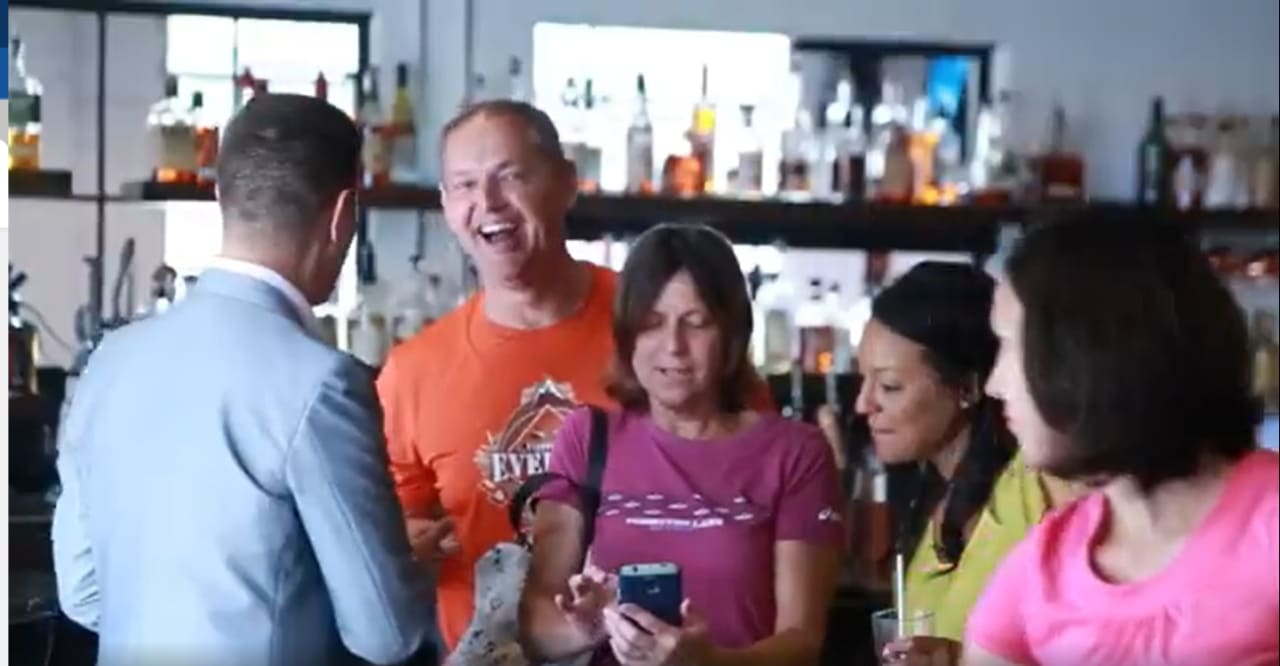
(284, 159)
(707, 256)
(542, 131)
(1133, 348)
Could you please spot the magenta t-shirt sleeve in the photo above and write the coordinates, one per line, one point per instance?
(996, 622)
(568, 458)
(810, 506)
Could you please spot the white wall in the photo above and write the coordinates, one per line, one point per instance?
(1104, 58)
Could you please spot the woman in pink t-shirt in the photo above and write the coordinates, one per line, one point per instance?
(747, 504)
(1124, 363)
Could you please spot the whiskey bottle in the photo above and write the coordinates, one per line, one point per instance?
(1061, 169)
(173, 138)
(206, 138)
(24, 112)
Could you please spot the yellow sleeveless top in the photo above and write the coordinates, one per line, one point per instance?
(1017, 503)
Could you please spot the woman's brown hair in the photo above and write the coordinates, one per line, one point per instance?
(707, 256)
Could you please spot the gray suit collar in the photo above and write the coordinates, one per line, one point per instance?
(216, 281)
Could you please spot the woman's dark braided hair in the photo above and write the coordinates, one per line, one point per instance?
(944, 307)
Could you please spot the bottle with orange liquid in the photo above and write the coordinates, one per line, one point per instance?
(207, 137)
(24, 112)
(172, 134)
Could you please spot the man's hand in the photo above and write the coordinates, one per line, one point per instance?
(431, 540)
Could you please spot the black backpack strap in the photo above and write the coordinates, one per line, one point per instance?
(524, 497)
(590, 488)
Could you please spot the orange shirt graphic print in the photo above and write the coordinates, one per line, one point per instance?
(523, 447)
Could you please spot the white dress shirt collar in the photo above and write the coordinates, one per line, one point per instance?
(275, 281)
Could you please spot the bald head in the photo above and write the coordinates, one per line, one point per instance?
(283, 162)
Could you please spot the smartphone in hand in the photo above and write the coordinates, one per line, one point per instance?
(655, 587)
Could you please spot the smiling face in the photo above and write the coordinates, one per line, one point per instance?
(912, 415)
(678, 349)
(1008, 383)
(503, 198)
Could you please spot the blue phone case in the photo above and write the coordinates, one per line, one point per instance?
(653, 587)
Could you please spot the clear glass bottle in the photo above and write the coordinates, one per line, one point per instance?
(1263, 182)
(817, 338)
(640, 144)
(1225, 170)
(799, 152)
(376, 156)
(173, 138)
(25, 93)
(403, 130)
(750, 171)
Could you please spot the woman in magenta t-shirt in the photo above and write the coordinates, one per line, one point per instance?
(1124, 363)
(746, 503)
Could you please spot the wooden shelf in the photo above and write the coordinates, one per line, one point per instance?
(51, 183)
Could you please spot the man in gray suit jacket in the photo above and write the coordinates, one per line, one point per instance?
(225, 491)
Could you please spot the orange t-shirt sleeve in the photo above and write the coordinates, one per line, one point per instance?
(415, 482)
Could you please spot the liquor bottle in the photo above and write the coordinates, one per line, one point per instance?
(922, 146)
(321, 87)
(173, 138)
(702, 134)
(244, 87)
(1190, 161)
(849, 173)
(1263, 183)
(1155, 163)
(775, 305)
(402, 132)
(1266, 360)
(376, 158)
(817, 337)
(1061, 172)
(749, 177)
(24, 111)
(899, 171)
(640, 144)
(795, 169)
(207, 138)
(590, 155)
(519, 89)
(1226, 170)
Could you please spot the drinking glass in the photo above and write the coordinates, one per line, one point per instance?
(884, 627)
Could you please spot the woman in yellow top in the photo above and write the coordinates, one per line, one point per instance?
(924, 357)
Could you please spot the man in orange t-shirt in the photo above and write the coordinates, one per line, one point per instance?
(472, 402)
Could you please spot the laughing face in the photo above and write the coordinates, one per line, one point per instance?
(503, 199)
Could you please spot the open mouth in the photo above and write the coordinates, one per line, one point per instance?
(497, 232)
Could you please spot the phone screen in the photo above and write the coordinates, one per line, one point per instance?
(654, 587)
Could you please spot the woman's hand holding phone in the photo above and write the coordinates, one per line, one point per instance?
(639, 638)
(590, 592)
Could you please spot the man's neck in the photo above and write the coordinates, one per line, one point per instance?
(554, 292)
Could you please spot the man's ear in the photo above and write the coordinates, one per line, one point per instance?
(344, 212)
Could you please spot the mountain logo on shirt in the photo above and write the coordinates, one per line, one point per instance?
(523, 447)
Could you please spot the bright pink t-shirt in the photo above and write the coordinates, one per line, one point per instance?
(714, 507)
(1217, 603)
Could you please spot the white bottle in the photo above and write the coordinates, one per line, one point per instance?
(774, 329)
